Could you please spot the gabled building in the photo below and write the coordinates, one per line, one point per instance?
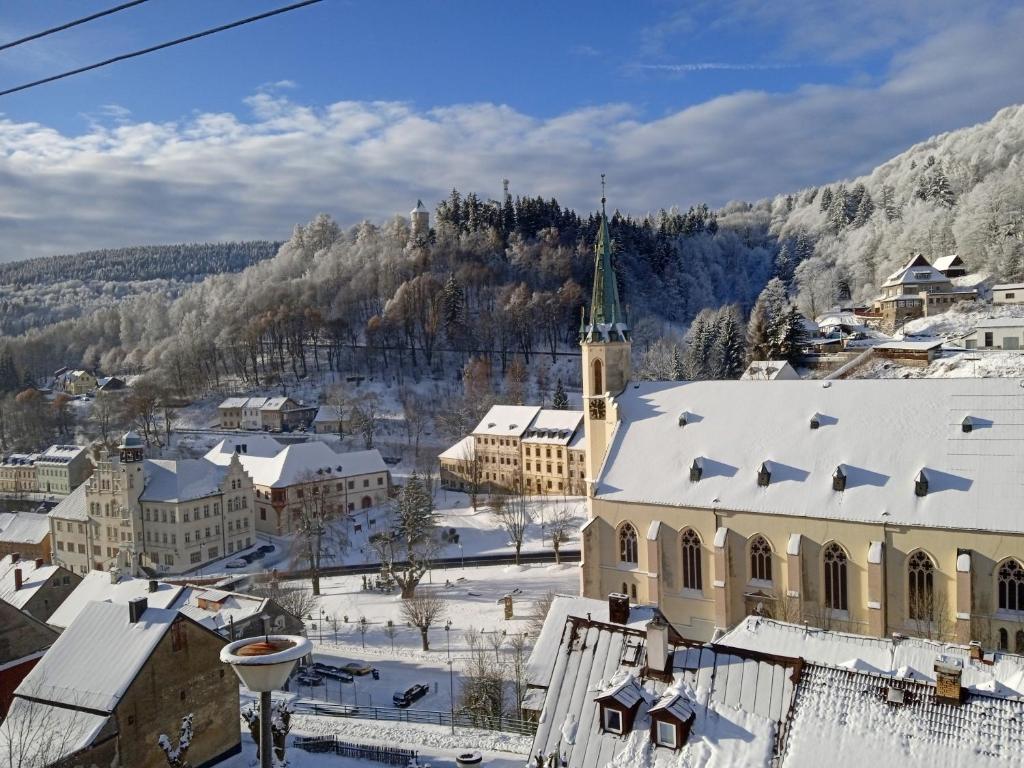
(770, 370)
(997, 333)
(951, 266)
(26, 533)
(114, 586)
(76, 382)
(234, 615)
(62, 468)
(282, 414)
(1008, 293)
(329, 420)
(18, 473)
(34, 587)
(114, 682)
(917, 290)
(230, 412)
(23, 641)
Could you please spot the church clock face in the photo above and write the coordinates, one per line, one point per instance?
(597, 408)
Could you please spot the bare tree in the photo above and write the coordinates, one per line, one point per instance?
(471, 467)
(366, 418)
(483, 681)
(176, 753)
(416, 414)
(105, 409)
(520, 651)
(32, 736)
(423, 611)
(338, 398)
(540, 612)
(563, 523)
(298, 602)
(410, 542)
(512, 511)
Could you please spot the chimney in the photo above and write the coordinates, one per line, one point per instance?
(657, 646)
(976, 650)
(136, 607)
(618, 608)
(115, 575)
(152, 585)
(17, 579)
(39, 562)
(15, 557)
(948, 673)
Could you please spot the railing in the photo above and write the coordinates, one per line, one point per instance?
(325, 744)
(426, 716)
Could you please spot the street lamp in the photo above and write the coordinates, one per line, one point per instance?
(451, 679)
(462, 553)
(263, 665)
(321, 627)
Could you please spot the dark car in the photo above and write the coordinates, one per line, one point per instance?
(266, 548)
(409, 695)
(258, 554)
(309, 678)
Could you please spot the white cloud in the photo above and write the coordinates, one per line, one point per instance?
(254, 174)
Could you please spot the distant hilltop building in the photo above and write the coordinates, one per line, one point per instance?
(870, 506)
(420, 218)
(918, 290)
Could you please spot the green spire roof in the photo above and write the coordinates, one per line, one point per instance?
(605, 309)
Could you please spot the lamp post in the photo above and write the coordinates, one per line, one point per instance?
(321, 625)
(451, 679)
(263, 665)
(462, 554)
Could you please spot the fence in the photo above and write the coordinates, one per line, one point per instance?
(325, 744)
(429, 717)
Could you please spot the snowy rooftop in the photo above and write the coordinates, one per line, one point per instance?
(461, 451)
(327, 413)
(1001, 322)
(553, 426)
(768, 370)
(97, 657)
(945, 262)
(215, 609)
(1008, 287)
(506, 420)
(910, 657)
(182, 479)
(60, 454)
(917, 271)
(71, 729)
(974, 479)
(233, 402)
(303, 462)
(96, 586)
(32, 578)
(26, 528)
(72, 506)
(255, 444)
(911, 346)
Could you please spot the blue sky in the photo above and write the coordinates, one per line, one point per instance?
(357, 108)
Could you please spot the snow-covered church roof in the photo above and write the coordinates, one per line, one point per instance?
(883, 433)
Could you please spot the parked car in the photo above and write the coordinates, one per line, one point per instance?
(409, 695)
(236, 564)
(335, 673)
(267, 548)
(259, 554)
(309, 678)
(357, 668)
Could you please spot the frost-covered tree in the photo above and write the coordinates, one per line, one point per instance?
(825, 201)
(865, 209)
(728, 351)
(410, 541)
(560, 402)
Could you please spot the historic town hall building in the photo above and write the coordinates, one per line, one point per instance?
(871, 506)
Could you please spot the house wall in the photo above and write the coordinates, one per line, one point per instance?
(1008, 296)
(72, 544)
(22, 642)
(39, 550)
(798, 580)
(49, 596)
(1011, 337)
(277, 509)
(179, 679)
(230, 418)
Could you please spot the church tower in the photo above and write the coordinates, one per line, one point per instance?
(605, 345)
(420, 217)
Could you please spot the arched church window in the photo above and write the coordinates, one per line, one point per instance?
(1011, 586)
(760, 559)
(627, 544)
(691, 560)
(835, 577)
(920, 594)
(598, 377)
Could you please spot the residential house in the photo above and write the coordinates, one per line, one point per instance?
(329, 420)
(997, 333)
(917, 290)
(114, 586)
(76, 382)
(883, 505)
(230, 412)
(912, 353)
(18, 473)
(23, 640)
(282, 414)
(951, 266)
(234, 615)
(34, 587)
(770, 370)
(28, 534)
(110, 384)
(169, 516)
(1008, 293)
(62, 468)
(539, 450)
(71, 533)
(301, 474)
(252, 413)
(115, 682)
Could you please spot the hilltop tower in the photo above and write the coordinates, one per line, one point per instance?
(420, 217)
(605, 345)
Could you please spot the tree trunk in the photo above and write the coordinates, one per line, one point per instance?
(519, 546)
(423, 637)
(408, 591)
(558, 555)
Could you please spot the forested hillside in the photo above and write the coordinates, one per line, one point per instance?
(504, 279)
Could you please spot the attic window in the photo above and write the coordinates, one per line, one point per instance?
(612, 720)
(921, 484)
(815, 421)
(839, 479)
(764, 475)
(967, 424)
(696, 470)
(491, 425)
(512, 426)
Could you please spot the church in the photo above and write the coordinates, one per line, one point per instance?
(876, 507)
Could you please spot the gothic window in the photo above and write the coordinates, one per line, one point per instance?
(1004, 639)
(1011, 586)
(691, 560)
(835, 578)
(760, 559)
(627, 544)
(598, 377)
(920, 594)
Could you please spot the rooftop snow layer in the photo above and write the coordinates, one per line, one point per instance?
(32, 578)
(974, 479)
(26, 528)
(506, 420)
(224, 608)
(182, 479)
(255, 444)
(69, 730)
(461, 451)
(72, 506)
(97, 587)
(299, 462)
(97, 657)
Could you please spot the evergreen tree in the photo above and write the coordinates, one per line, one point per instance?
(9, 378)
(729, 349)
(865, 209)
(767, 329)
(804, 248)
(810, 195)
(697, 363)
(889, 205)
(837, 213)
(454, 303)
(795, 334)
(825, 203)
(940, 189)
(678, 368)
(560, 401)
(784, 265)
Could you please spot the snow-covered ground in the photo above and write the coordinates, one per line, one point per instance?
(960, 319)
(951, 365)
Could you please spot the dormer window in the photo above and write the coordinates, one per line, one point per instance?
(612, 720)
(684, 419)
(696, 470)
(815, 421)
(839, 479)
(764, 475)
(921, 484)
(967, 424)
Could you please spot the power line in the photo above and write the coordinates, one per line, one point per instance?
(161, 46)
(70, 24)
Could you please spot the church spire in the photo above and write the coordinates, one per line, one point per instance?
(607, 322)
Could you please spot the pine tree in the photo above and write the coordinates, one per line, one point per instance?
(940, 189)
(837, 213)
(697, 357)
(795, 334)
(767, 330)
(678, 368)
(889, 205)
(454, 303)
(560, 401)
(865, 210)
(804, 248)
(728, 350)
(784, 265)
(826, 200)
(10, 381)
